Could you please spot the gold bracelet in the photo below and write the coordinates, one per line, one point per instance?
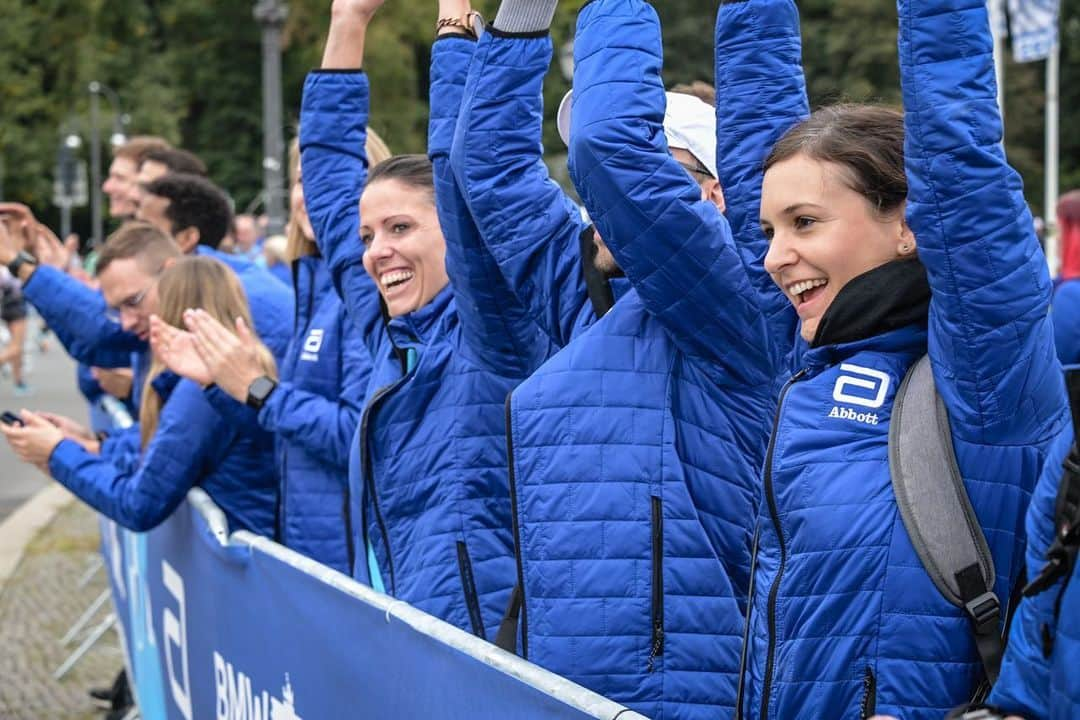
(471, 23)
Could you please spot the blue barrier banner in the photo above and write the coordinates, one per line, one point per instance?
(239, 628)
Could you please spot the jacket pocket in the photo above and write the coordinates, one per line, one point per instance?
(869, 698)
(657, 638)
(468, 586)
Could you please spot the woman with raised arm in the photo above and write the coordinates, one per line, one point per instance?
(895, 236)
(185, 442)
(313, 406)
(636, 448)
(428, 489)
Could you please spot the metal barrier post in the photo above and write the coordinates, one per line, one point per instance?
(85, 618)
(89, 642)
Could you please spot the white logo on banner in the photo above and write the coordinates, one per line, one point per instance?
(237, 701)
(863, 379)
(312, 345)
(174, 627)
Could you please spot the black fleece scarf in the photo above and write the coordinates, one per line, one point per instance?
(886, 298)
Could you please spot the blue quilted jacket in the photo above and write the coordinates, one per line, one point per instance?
(844, 620)
(427, 477)
(314, 412)
(1065, 312)
(1035, 683)
(193, 446)
(635, 449)
(76, 313)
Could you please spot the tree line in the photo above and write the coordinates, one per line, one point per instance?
(190, 71)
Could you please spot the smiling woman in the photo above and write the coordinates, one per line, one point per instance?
(405, 249)
(832, 205)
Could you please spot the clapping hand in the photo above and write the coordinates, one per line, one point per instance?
(176, 348)
(231, 358)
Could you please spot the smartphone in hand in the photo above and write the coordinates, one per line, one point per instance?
(10, 418)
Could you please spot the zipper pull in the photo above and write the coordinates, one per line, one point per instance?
(657, 646)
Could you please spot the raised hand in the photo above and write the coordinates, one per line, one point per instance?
(363, 9)
(10, 244)
(348, 29)
(176, 348)
(233, 359)
(48, 249)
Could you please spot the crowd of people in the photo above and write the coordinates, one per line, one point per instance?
(773, 425)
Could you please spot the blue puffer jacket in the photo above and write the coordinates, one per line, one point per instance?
(271, 301)
(1065, 312)
(1036, 684)
(844, 619)
(427, 476)
(77, 314)
(193, 446)
(635, 449)
(314, 412)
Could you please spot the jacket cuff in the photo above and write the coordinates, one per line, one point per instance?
(524, 16)
(65, 456)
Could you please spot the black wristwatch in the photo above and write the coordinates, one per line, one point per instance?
(260, 389)
(23, 258)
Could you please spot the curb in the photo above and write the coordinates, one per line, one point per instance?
(25, 523)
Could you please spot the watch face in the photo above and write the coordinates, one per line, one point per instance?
(260, 389)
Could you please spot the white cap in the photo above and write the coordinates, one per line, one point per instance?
(689, 124)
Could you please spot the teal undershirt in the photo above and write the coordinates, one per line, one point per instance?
(373, 564)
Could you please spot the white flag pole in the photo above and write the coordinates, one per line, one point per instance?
(1051, 161)
(997, 15)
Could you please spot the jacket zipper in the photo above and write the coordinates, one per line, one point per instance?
(468, 586)
(774, 515)
(869, 698)
(657, 640)
(369, 481)
(746, 630)
(516, 527)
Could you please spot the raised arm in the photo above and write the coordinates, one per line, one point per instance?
(77, 314)
(760, 94)
(498, 333)
(676, 249)
(526, 220)
(189, 441)
(333, 129)
(990, 337)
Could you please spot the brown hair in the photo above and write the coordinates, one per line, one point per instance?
(149, 246)
(700, 89)
(298, 245)
(135, 148)
(866, 140)
(195, 282)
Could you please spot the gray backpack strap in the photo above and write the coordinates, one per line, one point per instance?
(936, 510)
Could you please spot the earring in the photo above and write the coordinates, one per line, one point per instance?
(905, 248)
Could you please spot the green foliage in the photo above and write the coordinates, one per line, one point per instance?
(191, 71)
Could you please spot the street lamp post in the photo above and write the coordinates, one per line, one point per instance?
(98, 89)
(271, 14)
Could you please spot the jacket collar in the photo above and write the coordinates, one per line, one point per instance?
(420, 326)
(884, 309)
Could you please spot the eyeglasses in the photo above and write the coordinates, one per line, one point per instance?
(129, 303)
(696, 169)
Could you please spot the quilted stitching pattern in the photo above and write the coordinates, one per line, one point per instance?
(193, 446)
(437, 441)
(853, 595)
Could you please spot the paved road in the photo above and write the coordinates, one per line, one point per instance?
(53, 379)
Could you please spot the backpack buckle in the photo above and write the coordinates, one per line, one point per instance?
(984, 611)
